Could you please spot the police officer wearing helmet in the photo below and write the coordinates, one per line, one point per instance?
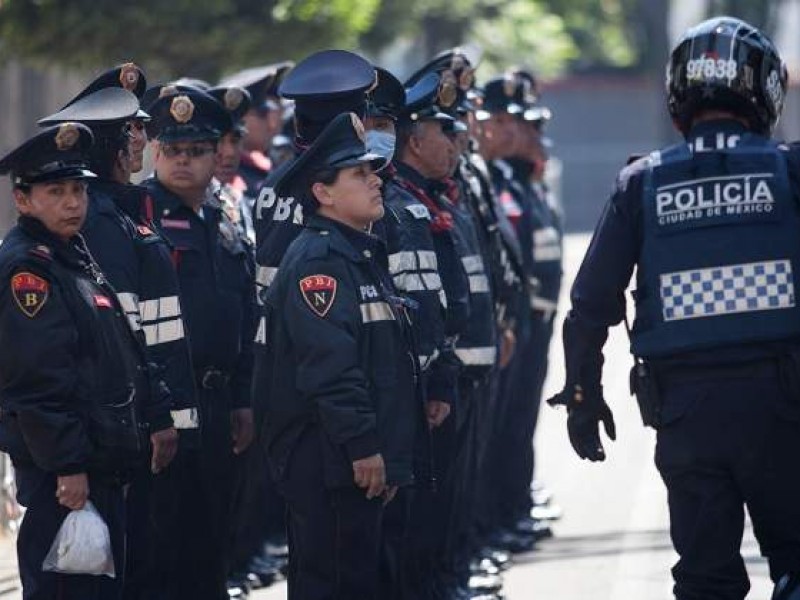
(338, 381)
(215, 274)
(72, 373)
(711, 227)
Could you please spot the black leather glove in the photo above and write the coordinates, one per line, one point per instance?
(585, 413)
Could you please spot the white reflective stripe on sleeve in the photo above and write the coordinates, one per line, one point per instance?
(160, 308)
(408, 282)
(185, 419)
(261, 334)
(443, 298)
(543, 304)
(478, 284)
(477, 356)
(432, 281)
(402, 261)
(546, 245)
(427, 260)
(163, 332)
(473, 264)
(266, 275)
(130, 304)
(376, 311)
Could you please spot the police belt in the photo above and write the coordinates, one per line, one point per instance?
(212, 378)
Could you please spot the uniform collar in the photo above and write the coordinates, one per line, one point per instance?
(356, 245)
(169, 202)
(411, 174)
(72, 252)
(126, 196)
(717, 125)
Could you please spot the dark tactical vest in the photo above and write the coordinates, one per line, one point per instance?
(720, 249)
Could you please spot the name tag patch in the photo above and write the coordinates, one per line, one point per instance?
(175, 224)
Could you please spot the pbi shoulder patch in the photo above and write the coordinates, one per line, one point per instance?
(30, 292)
(319, 292)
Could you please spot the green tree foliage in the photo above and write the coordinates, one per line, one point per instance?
(202, 38)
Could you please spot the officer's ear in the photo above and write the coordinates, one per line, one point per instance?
(22, 199)
(322, 194)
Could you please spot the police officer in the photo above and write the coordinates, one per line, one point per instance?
(215, 275)
(338, 381)
(71, 370)
(262, 122)
(137, 261)
(711, 227)
(523, 163)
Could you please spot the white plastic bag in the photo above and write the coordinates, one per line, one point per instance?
(82, 545)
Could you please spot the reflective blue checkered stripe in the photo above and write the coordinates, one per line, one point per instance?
(726, 290)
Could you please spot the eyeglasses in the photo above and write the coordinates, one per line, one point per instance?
(189, 151)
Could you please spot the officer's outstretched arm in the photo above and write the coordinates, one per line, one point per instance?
(39, 372)
(324, 320)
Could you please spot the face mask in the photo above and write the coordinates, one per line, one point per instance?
(381, 143)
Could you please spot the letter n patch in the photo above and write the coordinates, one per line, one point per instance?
(30, 292)
(319, 291)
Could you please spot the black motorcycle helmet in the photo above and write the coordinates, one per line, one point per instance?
(726, 64)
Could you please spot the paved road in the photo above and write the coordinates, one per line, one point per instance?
(613, 542)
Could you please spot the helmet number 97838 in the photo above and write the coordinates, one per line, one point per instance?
(709, 68)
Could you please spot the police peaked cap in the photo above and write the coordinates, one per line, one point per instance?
(187, 114)
(107, 107)
(327, 84)
(457, 69)
(236, 100)
(128, 76)
(54, 154)
(388, 99)
(261, 83)
(425, 99)
(341, 144)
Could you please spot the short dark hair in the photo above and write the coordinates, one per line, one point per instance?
(326, 176)
(108, 143)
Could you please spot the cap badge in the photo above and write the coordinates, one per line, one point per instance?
(447, 94)
(182, 109)
(129, 76)
(467, 78)
(67, 136)
(358, 126)
(458, 62)
(233, 98)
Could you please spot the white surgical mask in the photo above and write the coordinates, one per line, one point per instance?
(381, 143)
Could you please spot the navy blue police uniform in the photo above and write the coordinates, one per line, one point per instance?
(138, 264)
(215, 274)
(338, 381)
(73, 376)
(711, 226)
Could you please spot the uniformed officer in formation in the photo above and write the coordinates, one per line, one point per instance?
(215, 272)
(73, 376)
(715, 334)
(389, 324)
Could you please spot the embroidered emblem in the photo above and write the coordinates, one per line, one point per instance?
(30, 292)
(319, 292)
(67, 136)
(358, 126)
(233, 98)
(182, 109)
(129, 76)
